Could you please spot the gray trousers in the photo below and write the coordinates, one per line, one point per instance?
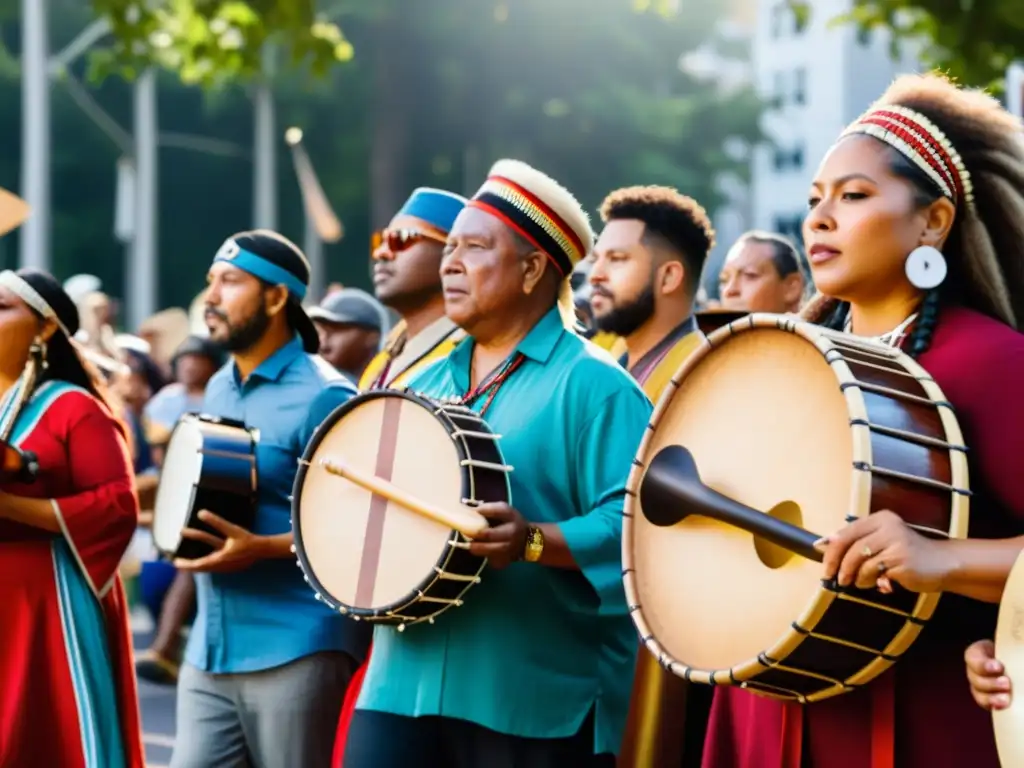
(284, 717)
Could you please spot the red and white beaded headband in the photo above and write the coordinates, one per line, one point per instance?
(923, 143)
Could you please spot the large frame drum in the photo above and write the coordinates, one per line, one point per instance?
(790, 430)
(375, 471)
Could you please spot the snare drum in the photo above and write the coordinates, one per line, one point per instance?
(210, 464)
(368, 554)
(772, 434)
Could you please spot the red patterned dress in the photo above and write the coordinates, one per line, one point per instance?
(67, 688)
(920, 713)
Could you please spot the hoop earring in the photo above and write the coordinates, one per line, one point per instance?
(925, 267)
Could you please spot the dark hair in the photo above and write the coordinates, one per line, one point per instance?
(282, 252)
(785, 256)
(985, 247)
(144, 366)
(678, 221)
(276, 249)
(63, 361)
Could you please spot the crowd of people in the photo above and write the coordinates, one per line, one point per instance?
(561, 337)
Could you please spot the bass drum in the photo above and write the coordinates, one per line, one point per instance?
(791, 430)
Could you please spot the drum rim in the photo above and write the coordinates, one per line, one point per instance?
(824, 340)
(205, 418)
(1009, 744)
(381, 614)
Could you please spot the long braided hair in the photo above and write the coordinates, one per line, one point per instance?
(985, 247)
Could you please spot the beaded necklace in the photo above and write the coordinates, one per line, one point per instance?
(492, 383)
(893, 338)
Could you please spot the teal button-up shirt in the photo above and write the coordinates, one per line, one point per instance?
(534, 648)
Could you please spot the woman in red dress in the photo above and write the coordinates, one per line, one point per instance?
(915, 234)
(68, 695)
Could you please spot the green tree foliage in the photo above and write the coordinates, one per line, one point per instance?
(972, 40)
(590, 91)
(211, 42)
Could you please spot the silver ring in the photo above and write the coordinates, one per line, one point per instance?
(867, 551)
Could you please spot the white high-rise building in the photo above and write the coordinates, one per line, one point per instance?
(816, 80)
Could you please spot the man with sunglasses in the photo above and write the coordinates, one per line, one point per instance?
(407, 278)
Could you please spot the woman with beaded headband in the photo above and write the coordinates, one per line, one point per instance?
(915, 235)
(68, 695)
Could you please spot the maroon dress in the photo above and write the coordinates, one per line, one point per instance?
(922, 707)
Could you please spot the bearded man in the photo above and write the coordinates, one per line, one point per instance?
(267, 665)
(644, 278)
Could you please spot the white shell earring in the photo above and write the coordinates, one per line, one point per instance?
(925, 267)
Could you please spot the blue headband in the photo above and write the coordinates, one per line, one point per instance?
(232, 253)
(434, 206)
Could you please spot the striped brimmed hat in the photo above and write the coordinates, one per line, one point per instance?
(538, 208)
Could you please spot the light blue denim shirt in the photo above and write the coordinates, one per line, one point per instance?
(267, 615)
(534, 648)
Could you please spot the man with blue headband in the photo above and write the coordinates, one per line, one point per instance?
(407, 278)
(266, 665)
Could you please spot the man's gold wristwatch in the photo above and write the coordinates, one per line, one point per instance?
(534, 544)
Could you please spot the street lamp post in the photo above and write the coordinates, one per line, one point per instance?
(35, 135)
(322, 224)
(265, 147)
(142, 266)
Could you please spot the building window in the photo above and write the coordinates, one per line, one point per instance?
(789, 18)
(778, 98)
(782, 225)
(790, 226)
(788, 159)
(778, 19)
(800, 86)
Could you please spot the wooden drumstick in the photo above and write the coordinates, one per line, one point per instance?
(465, 521)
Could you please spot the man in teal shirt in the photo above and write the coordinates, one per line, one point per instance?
(535, 669)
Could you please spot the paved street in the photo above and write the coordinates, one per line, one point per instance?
(157, 703)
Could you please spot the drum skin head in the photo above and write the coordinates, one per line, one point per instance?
(1009, 642)
(358, 562)
(756, 412)
(172, 508)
